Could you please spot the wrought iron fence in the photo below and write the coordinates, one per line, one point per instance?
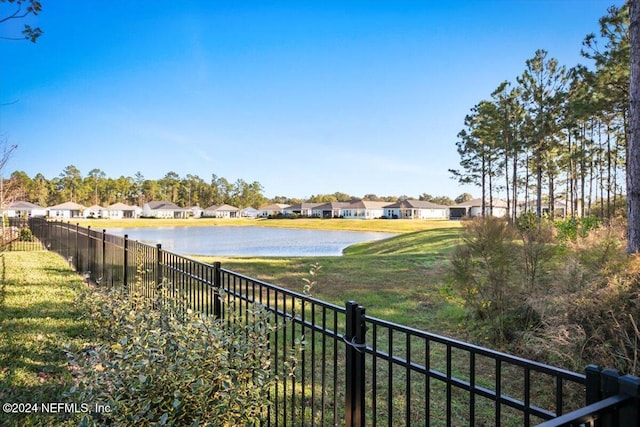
(357, 370)
(15, 235)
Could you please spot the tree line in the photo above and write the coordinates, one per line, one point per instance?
(556, 134)
(96, 188)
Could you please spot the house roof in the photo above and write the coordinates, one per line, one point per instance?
(71, 206)
(368, 204)
(163, 205)
(274, 207)
(121, 207)
(559, 203)
(96, 207)
(333, 205)
(416, 204)
(221, 208)
(20, 204)
(304, 205)
(497, 203)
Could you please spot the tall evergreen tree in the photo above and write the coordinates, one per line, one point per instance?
(633, 159)
(543, 85)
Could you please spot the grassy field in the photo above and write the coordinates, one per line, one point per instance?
(401, 279)
(39, 315)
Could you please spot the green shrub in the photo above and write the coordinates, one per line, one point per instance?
(25, 235)
(162, 365)
(572, 228)
(482, 271)
(538, 248)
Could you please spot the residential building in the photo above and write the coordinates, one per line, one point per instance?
(473, 208)
(249, 212)
(221, 211)
(66, 210)
(301, 209)
(364, 209)
(330, 210)
(163, 209)
(274, 209)
(22, 209)
(122, 211)
(416, 209)
(95, 211)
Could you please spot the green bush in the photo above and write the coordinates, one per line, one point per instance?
(538, 248)
(482, 272)
(25, 235)
(572, 228)
(159, 364)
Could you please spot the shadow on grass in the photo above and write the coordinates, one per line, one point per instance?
(39, 317)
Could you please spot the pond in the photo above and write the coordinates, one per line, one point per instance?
(250, 241)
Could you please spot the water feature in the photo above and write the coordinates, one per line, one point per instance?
(249, 240)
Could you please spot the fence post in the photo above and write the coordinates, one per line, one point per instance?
(217, 284)
(610, 385)
(125, 262)
(158, 265)
(355, 360)
(68, 242)
(592, 383)
(76, 260)
(89, 254)
(630, 415)
(104, 256)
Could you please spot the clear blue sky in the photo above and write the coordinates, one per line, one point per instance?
(304, 96)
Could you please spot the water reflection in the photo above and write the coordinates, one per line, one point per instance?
(250, 241)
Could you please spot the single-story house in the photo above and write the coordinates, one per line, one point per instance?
(272, 210)
(473, 208)
(122, 210)
(416, 209)
(25, 210)
(364, 209)
(330, 210)
(249, 212)
(301, 209)
(65, 210)
(221, 211)
(559, 207)
(163, 209)
(95, 211)
(195, 212)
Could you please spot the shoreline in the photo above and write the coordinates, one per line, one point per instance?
(398, 226)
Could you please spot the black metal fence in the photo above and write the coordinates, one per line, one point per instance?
(357, 370)
(15, 235)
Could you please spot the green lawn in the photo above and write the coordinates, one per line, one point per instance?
(39, 315)
(400, 279)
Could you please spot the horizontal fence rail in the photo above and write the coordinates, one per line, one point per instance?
(352, 369)
(15, 235)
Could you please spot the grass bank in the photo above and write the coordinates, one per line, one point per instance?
(39, 314)
(401, 279)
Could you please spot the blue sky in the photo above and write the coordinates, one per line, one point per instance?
(303, 96)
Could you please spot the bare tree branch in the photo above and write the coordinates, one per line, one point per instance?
(28, 33)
